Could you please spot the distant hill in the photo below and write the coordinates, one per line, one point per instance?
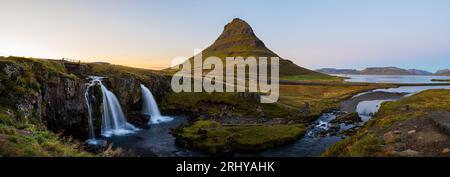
(376, 71)
(338, 71)
(386, 71)
(420, 72)
(444, 72)
(238, 39)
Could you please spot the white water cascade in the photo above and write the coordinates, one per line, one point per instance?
(91, 139)
(113, 119)
(150, 107)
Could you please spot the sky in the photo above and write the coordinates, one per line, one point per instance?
(150, 33)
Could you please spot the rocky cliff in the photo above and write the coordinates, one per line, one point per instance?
(51, 93)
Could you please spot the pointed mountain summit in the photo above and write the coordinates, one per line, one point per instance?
(239, 40)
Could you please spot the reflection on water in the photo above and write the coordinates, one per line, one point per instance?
(156, 140)
(392, 78)
(412, 89)
(366, 109)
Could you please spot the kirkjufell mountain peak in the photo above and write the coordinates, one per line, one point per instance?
(239, 40)
(239, 33)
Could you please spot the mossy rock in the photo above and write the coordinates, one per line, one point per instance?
(214, 138)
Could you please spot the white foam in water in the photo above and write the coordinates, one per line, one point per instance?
(150, 107)
(93, 81)
(114, 122)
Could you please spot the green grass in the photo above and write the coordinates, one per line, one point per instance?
(368, 141)
(292, 99)
(319, 98)
(22, 139)
(220, 139)
(213, 104)
(36, 65)
(119, 71)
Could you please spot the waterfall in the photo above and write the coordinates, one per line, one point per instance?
(150, 107)
(91, 139)
(113, 119)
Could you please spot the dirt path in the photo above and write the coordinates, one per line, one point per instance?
(420, 137)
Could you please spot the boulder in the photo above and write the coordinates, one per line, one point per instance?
(347, 118)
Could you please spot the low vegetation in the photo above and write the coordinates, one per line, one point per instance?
(299, 103)
(214, 138)
(106, 69)
(440, 80)
(316, 99)
(312, 78)
(20, 138)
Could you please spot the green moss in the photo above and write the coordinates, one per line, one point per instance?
(220, 139)
(23, 139)
(259, 137)
(359, 146)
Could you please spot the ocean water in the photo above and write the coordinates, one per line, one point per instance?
(392, 78)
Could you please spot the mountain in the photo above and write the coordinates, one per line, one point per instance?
(238, 39)
(444, 72)
(385, 71)
(375, 71)
(419, 72)
(338, 71)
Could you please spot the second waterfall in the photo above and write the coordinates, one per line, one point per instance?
(150, 108)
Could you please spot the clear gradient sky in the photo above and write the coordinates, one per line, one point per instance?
(150, 33)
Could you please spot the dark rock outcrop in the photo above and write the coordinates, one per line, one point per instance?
(347, 118)
(41, 95)
(51, 93)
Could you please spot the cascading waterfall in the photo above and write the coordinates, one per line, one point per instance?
(113, 119)
(91, 139)
(150, 107)
(114, 122)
